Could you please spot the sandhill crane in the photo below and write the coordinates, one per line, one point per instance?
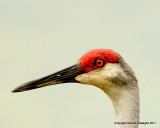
(106, 70)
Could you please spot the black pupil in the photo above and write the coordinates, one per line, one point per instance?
(99, 62)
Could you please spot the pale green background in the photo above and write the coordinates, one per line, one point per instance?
(39, 37)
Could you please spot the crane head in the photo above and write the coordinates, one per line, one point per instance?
(97, 67)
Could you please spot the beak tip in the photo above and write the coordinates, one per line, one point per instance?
(15, 90)
(18, 89)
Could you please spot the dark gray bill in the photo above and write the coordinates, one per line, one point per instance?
(63, 76)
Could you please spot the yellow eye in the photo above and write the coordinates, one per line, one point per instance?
(99, 63)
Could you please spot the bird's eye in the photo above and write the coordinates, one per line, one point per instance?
(99, 62)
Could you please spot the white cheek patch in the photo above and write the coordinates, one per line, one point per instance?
(102, 77)
(91, 78)
(95, 78)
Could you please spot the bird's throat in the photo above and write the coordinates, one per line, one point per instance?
(126, 105)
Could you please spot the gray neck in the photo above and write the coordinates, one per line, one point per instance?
(126, 105)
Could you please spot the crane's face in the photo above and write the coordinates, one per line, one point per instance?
(101, 67)
(98, 67)
(110, 75)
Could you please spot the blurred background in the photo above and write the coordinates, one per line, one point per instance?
(40, 37)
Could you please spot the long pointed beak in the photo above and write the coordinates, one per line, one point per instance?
(63, 76)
